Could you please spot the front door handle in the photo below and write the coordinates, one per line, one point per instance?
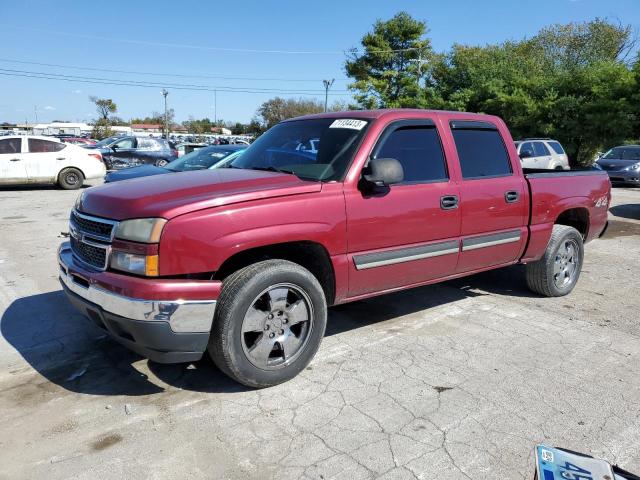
(14, 160)
(449, 202)
(61, 158)
(511, 196)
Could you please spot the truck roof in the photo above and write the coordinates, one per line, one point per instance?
(392, 112)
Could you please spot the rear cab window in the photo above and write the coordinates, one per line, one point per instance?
(481, 150)
(417, 146)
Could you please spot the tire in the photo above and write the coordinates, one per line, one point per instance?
(70, 179)
(161, 163)
(255, 314)
(557, 272)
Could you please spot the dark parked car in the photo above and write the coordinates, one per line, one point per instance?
(622, 164)
(201, 159)
(124, 152)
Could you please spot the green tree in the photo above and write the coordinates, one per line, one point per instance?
(101, 129)
(198, 127)
(396, 58)
(570, 82)
(278, 109)
(104, 107)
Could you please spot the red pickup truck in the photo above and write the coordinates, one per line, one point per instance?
(243, 261)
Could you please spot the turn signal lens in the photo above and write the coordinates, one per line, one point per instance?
(133, 263)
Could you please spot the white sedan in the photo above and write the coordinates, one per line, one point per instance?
(32, 159)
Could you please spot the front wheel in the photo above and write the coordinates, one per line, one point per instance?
(270, 320)
(161, 163)
(557, 272)
(70, 179)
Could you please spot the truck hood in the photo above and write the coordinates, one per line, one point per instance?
(168, 196)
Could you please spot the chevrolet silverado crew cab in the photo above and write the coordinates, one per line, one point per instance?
(242, 262)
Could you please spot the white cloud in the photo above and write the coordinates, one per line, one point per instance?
(49, 107)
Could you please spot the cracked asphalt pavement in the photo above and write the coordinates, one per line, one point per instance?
(457, 380)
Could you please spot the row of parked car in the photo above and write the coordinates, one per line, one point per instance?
(69, 161)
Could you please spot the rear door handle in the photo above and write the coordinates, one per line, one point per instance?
(14, 160)
(511, 196)
(61, 158)
(448, 202)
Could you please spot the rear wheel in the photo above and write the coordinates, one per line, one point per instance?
(557, 272)
(270, 320)
(161, 163)
(70, 179)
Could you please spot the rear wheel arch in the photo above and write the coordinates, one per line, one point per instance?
(308, 254)
(67, 167)
(67, 184)
(577, 218)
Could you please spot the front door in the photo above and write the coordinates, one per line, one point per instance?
(123, 153)
(12, 169)
(408, 233)
(493, 201)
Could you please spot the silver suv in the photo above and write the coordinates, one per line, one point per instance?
(542, 153)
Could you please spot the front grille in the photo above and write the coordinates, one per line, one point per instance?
(90, 254)
(94, 227)
(91, 239)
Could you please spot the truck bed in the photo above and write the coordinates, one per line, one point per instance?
(553, 192)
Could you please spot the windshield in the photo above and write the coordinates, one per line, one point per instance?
(318, 149)
(623, 153)
(199, 159)
(106, 141)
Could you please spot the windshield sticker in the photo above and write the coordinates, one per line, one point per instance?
(348, 123)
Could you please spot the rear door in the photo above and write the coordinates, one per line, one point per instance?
(542, 155)
(44, 159)
(404, 235)
(12, 168)
(493, 196)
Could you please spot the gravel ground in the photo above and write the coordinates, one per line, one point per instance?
(457, 380)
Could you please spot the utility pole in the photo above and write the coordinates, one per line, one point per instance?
(35, 110)
(327, 86)
(420, 61)
(166, 115)
(215, 108)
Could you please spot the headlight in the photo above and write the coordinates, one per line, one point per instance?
(635, 167)
(145, 230)
(146, 265)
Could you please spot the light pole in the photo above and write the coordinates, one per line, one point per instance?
(166, 116)
(327, 86)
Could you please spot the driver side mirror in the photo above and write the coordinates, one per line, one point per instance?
(526, 154)
(382, 172)
(114, 147)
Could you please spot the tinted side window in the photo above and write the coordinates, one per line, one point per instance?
(540, 149)
(482, 153)
(10, 145)
(418, 150)
(528, 148)
(557, 147)
(37, 145)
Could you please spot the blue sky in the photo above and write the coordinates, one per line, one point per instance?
(197, 39)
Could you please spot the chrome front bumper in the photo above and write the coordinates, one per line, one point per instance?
(183, 316)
